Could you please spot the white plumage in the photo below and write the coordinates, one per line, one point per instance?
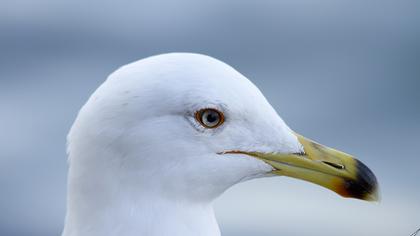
(141, 165)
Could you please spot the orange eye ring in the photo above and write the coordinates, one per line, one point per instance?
(210, 118)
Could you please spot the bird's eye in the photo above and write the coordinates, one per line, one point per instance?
(209, 118)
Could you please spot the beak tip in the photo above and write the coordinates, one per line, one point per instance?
(365, 186)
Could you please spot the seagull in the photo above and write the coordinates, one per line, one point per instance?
(164, 136)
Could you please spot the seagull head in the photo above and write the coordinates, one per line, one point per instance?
(188, 127)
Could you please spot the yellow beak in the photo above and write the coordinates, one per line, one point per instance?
(332, 169)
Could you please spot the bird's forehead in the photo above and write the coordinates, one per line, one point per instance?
(185, 80)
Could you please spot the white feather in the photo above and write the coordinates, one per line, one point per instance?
(140, 164)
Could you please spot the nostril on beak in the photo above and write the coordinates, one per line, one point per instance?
(299, 153)
(337, 166)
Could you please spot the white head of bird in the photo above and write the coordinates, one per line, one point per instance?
(163, 137)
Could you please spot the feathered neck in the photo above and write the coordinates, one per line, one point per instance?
(107, 201)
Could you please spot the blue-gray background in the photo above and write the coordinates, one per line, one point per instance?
(345, 73)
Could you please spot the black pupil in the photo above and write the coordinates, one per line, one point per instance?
(212, 117)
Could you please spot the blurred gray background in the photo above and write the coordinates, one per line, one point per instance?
(345, 73)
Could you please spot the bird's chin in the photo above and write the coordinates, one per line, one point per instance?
(258, 176)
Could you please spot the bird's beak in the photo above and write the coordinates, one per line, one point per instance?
(324, 166)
